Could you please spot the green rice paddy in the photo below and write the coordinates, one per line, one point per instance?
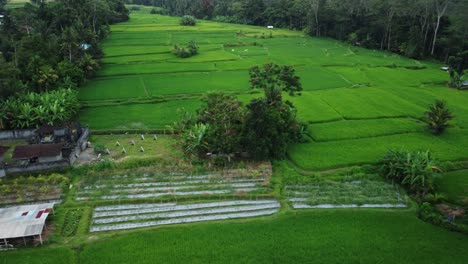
(356, 100)
(358, 104)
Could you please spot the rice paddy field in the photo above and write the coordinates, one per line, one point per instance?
(319, 206)
(358, 102)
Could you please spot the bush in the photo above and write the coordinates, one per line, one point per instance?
(188, 21)
(99, 149)
(189, 51)
(153, 11)
(414, 170)
(437, 117)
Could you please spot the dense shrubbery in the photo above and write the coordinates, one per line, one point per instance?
(186, 52)
(188, 21)
(34, 109)
(263, 130)
(414, 170)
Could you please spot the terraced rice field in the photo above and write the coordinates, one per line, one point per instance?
(358, 102)
(131, 216)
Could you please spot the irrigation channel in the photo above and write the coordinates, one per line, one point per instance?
(120, 217)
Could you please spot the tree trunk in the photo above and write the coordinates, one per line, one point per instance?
(435, 35)
(440, 9)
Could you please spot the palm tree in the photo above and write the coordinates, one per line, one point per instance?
(437, 117)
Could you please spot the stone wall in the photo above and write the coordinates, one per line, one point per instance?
(12, 169)
(16, 134)
(81, 145)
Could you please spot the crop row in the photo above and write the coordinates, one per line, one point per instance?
(135, 216)
(154, 195)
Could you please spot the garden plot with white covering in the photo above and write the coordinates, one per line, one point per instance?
(134, 187)
(119, 217)
(346, 194)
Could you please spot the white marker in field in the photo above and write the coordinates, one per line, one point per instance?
(142, 137)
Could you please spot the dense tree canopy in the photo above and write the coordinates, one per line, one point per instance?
(53, 45)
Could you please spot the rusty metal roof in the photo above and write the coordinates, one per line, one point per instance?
(37, 150)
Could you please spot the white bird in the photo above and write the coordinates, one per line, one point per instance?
(142, 149)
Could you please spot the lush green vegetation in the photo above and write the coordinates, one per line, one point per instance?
(414, 28)
(337, 236)
(356, 100)
(455, 185)
(47, 46)
(358, 103)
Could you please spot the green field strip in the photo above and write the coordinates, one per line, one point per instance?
(356, 129)
(335, 154)
(136, 116)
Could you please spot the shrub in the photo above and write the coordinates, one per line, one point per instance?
(414, 170)
(188, 21)
(153, 11)
(437, 117)
(189, 51)
(99, 149)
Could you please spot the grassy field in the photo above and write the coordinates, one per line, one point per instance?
(328, 236)
(356, 100)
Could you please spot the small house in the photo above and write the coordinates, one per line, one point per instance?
(270, 27)
(38, 153)
(444, 68)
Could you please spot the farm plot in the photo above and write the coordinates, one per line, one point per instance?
(32, 189)
(170, 188)
(360, 193)
(131, 216)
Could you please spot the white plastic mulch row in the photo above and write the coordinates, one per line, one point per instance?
(183, 220)
(222, 210)
(174, 188)
(162, 183)
(153, 195)
(131, 206)
(157, 208)
(330, 206)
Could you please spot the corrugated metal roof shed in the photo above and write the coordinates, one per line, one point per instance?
(24, 220)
